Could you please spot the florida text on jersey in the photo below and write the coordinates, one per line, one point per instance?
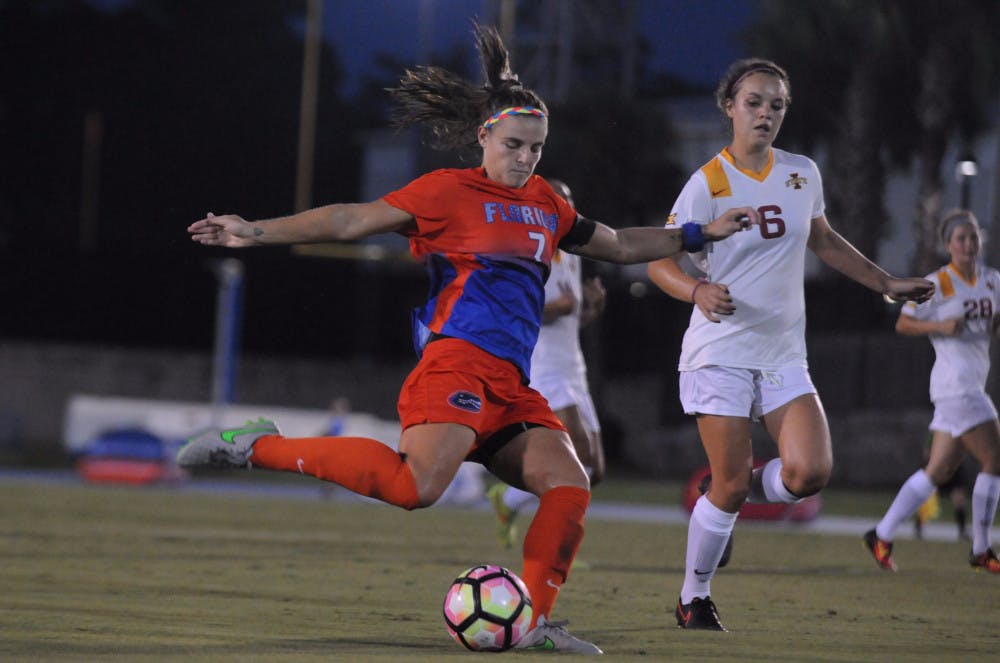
(487, 248)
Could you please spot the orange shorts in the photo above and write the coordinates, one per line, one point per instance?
(456, 382)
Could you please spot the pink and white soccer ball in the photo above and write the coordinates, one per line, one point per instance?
(487, 608)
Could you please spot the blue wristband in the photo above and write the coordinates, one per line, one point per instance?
(692, 238)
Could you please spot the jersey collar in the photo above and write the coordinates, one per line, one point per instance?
(954, 270)
(760, 175)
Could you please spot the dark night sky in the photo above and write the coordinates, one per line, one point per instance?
(691, 39)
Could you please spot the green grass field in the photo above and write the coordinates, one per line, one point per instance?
(94, 573)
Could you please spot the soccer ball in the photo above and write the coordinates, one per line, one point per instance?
(487, 608)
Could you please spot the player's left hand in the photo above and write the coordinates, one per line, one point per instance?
(713, 300)
(910, 289)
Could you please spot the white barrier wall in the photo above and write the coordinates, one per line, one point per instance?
(174, 421)
(87, 416)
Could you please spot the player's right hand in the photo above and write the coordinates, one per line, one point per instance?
(227, 230)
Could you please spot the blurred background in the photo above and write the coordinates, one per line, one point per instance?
(122, 121)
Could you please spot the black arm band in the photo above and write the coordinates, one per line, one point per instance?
(581, 232)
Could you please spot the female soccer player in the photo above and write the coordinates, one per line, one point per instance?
(487, 236)
(559, 373)
(743, 356)
(960, 320)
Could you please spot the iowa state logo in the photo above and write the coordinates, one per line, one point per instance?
(795, 181)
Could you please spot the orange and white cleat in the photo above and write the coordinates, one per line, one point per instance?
(880, 550)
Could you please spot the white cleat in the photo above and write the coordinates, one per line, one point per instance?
(230, 447)
(552, 636)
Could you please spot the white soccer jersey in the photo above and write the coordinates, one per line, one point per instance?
(764, 267)
(558, 370)
(557, 353)
(961, 362)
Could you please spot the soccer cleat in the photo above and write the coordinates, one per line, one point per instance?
(880, 550)
(700, 613)
(986, 561)
(230, 447)
(703, 486)
(506, 532)
(553, 636)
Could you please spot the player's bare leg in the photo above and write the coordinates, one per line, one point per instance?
(802, 434)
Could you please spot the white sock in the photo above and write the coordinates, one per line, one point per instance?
(515, 498)
(915, 491)
(985, 493)
(773, 487)
(708, 532)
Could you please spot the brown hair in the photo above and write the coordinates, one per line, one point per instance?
(730, 83)
(451, 107)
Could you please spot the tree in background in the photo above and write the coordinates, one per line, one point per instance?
(906, 79)
(837, 102)
(198, 103)
(956, 54)
(618, 160)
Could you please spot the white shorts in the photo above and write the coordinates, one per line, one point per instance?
(742, 392)
(961, 414)
(562, 391)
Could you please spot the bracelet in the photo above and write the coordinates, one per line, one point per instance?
(697, 285)
(692, 237)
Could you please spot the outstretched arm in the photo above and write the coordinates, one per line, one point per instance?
(331, 223)
(632, 245)
(837, 252)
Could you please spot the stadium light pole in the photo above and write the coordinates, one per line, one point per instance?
(965, 170)
(307, 107)
(228, 320)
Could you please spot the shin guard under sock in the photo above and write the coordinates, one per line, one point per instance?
(550, 545)
(366, 466)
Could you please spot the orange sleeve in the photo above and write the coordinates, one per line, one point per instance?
(423, 198)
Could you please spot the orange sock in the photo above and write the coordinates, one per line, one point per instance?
(550, 545)
(363, 465)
